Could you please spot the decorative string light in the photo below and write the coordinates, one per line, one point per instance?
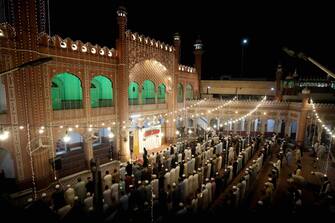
(321, 122)
(4, 134)
(248, 114)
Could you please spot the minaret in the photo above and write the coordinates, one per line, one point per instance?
(176, 44)
(198, 60)
(170, 126)
(279, 76)
(122, 86)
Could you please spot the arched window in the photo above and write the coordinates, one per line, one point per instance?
(161, 93)
(133, 93)
(189, 92)
(3, 102)
(101, 92)
(66, 92)
(148, 92)
(180, 97)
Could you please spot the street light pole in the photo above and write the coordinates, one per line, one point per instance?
(244, 43)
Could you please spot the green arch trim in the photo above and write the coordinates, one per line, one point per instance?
(66, 92)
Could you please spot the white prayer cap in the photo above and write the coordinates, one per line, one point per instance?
(203, 186)
(212, 178)
(192, 156)
(146, 181)
(269, 179)
(183, 175)
(181, 204)
(76, 198)
(131, 186)
(217, 173)
(30, 200)
(174, 184)
(199, 169)
(57, 186)
(166, 170)
(154, 176)
(207, 179)
(176, 163)
(153, 196)
(68, 186)
(260, 202)
(234, 187)
(88, 194)
(312, 172)
(44, 195)
(139, 182)
(149, 165)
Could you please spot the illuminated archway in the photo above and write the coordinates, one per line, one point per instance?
(180, 97)
(148, 92)
(189, 92)
(161, 93)
(66, 92)
(101, 92)
(133, 95)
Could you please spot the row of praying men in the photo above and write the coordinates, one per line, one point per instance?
(193, 179)
(240, 191)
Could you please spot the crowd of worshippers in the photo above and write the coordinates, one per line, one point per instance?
(238, 194)
(184, 178)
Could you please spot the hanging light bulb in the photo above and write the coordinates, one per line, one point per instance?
(109, 128)
(66, 138)
(214, 126)
(111, 135)
(177, 132)
(90, 129)
(70, 129)
(21, 127)
(40, 131)
(4, 134)
(76, 126)
(189, 131)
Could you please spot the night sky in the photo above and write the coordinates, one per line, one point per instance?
(301, 26)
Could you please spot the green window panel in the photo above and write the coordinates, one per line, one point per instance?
(66, 92)
(180, 97)
(189, 92)
(161, 93)
(101, 92)
(133, 94)
(148, 92)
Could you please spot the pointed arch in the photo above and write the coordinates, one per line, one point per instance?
(66, 92)
(161, 94)
(133, 94)
(101, 92)
(189, 92)
(180, 96)
(148, 92)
